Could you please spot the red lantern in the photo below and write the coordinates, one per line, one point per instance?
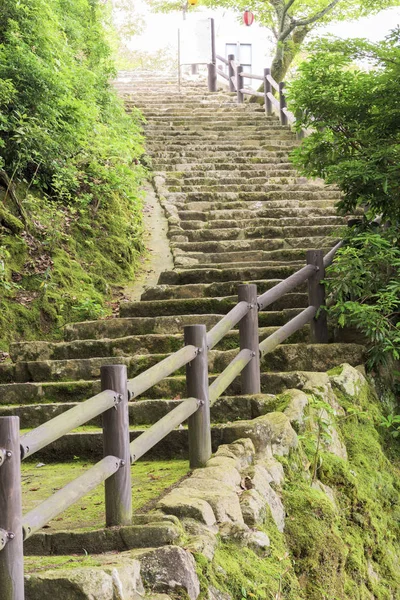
(248, 18)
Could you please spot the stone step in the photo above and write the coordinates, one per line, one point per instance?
(254, 244)
(197, 170)
(263, 187)
(257, 232)
(237, 175)
(259, 220)
(203, 306)
(254, 178)
(121, 346)
(248, 257)
(170, 387)
(204, 290)
(148, 412)
(218, 161)
(146, 532)
(256, 213)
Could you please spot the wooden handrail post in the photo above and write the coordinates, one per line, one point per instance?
(11, 542)
(212, 66)
(231, 72)
(239, 84)
(118, 488)
(267, 90)
(197, 387)
(316, 297)
(282, 102)
(248, 334)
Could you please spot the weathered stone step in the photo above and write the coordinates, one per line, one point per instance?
(263, 187)
(257, 232)
(239, 179)
(249, 257)
(122, 346)
(299, 356)
(148, 412)
(254, 244)
(204, 290)
(196, 170)
(170, 387)
(201, 177)
(201, 306)
(244, 224)
(292, 195)
(218, 161)
(146, 532)
(255, 213)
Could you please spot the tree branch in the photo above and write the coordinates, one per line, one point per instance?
(317, 16)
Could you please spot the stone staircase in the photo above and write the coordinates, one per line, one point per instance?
(238, 212)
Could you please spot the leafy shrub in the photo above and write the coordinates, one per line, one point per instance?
(73, 157)
(364, 286)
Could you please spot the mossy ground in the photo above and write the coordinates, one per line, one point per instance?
(149, 480)
(349, 550)
(67, 263)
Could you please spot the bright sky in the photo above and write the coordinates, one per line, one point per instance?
(161, 30)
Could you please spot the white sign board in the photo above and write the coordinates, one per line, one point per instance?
(196, 42)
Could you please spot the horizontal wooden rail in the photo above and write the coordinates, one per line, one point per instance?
(68, 495)
(273, 82)
(222, 59)
(224, 75)
(274, 101)
(328, 258)
(163, 427)
(227, 323)
(56, 428)
(252, 93)
(286, 286)
(253, 76)
(289, 115)
(234, 368)
(271, 342)
(158, 372)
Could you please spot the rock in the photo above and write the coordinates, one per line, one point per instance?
(272, 432)
(230, 476)
(119, 583)
(242, 450)
(224, 462)
(237, 532)
(202, 539)
(349, 381)
(253, 508)
(258, 540)
(170, 569)
(223, 501)
(215, 594)
(296, 408)
(184, 507)
(260, 480)
(274, 469)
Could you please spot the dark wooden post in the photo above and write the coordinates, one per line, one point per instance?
(11, 542)
(316, 297)
(248, 334)
(282, 102)
(197, 387)
(118, 487)
(231, 72)
(212, 66)
(239, 84)
(267, 90)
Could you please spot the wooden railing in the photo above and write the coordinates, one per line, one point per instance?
(112, 403)
(235, 79)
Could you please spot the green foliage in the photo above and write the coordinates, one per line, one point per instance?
(72, 155)
(391, 423)
(354, 116)
(364, 285)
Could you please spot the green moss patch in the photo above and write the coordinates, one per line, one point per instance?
(149, 481)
